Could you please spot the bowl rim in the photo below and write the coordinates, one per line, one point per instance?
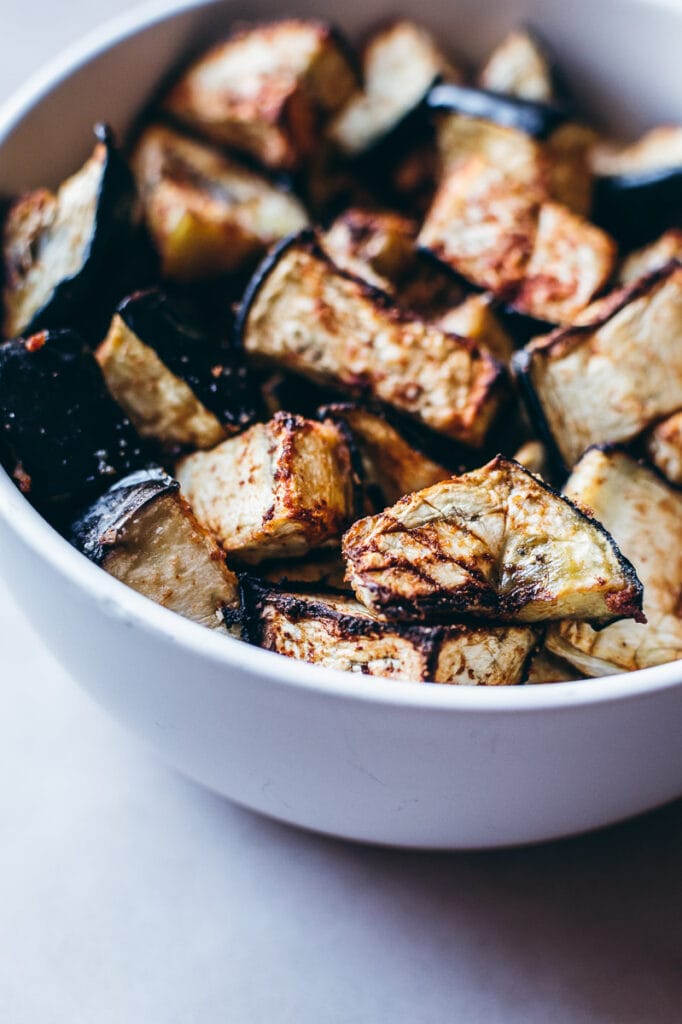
(119, 601)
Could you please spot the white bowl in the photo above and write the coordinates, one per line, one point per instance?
(375, 760)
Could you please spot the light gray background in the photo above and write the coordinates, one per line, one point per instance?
(130, 896)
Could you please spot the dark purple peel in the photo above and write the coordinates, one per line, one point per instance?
(538, 120)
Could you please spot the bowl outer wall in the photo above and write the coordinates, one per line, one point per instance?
(374, 760)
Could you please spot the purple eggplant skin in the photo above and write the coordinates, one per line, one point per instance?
(218, 377)
(538, 120)
(91, 530)
(75, 300)
(637, 208)
(61, 435)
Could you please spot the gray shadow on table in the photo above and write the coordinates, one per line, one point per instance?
(582, 930)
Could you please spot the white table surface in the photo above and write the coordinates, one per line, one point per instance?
(130, 896)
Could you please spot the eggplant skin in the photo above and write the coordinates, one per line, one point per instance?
(60, 251)
(174, 381)
(144, 533)
(644, 514)
(608, 378)
(331, 629)
(495, 542)
(306, 316)
(534, 118)
(62, 435)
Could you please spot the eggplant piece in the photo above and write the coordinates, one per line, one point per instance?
(391, 466)
(644, 514)
(59, 249)
(474, 318)
(548, 668)
(306, 316)
(571, 261)
(496, 542)
(144, 533)
(334, 631)
(519, 66)
(61, 434)
(376, 245)
(278, 490)
(267, 90)
(400, 64)
(538, 120)
(176, 387)
(652, 257)
(324, 570)
(610, 379)
(207, 214)
(639, 187)
(663, 446)
(533, 456)
(568, 152)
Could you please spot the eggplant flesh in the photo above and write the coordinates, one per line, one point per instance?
(334, 631)
(531, 117)
(444, 382)
(276, 491)
(519, 67)
(495, 542)
(62, 435)
(175, 384)
(143, 533)
(644, 514)
(608, 380)
(60, 249)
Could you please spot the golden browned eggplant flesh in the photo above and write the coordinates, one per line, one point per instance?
(365, 358)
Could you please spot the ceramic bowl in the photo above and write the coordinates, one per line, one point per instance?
(368, 759)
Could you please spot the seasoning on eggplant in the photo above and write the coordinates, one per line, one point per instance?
(400, 63)
(518, 66)
(496, 542)
(639, 187)
(59, 248)
(276, 491)
(177, 387)
(334, 631)
(61, 435)
(644, 514)
(267, 90)
(663, 445)
(391, 465)
(303, 314)
(609, 379)
(652, 257)
(207, 214)
(143, 532)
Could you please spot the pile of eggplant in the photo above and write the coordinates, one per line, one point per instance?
(365, 359)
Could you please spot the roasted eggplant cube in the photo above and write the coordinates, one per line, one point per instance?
(334, 631)
(644, 514)
(143, 532)
(206, 213)
(652, 257)
(610, 379)
(61, 435)
(639, 187)
(663, 445)
(483, 217)
(495, 542)
(377, 246)
(392, 467)
(267, 90)
(571, 262)
(277, 491)
(304, 315)
(548, 668)
(175, 386)
(59, 249)
(400, 63)
(475, 318)
(518, 66)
